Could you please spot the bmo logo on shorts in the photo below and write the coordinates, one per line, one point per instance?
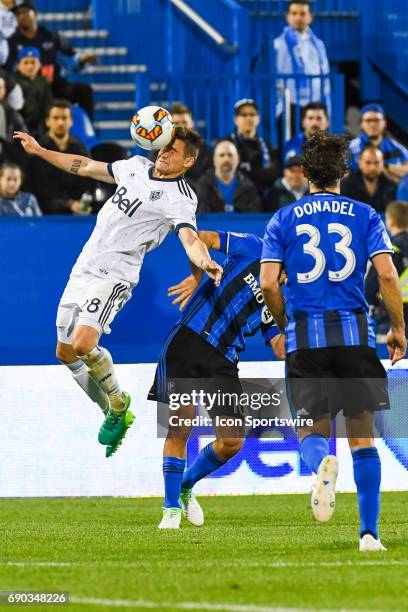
(124, 204)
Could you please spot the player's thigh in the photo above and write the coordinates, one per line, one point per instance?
(308, 382)
(90, 302)
(363, 382)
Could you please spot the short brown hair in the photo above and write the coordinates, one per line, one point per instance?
(326, 158)
(11, 166)
(179, 108)
(59, 103)
(398, 211)
(191, 138)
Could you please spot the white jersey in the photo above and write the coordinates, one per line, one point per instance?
(134, 221)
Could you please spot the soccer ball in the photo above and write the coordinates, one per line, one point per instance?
(152, 127)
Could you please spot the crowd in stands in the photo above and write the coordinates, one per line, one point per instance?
(241, 172)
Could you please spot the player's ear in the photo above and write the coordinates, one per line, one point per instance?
(189, 162)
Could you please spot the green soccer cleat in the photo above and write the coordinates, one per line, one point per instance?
(115, 426)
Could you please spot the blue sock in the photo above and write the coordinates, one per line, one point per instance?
(173, 469)
(367, 476)
(314, 448)
(206, 462)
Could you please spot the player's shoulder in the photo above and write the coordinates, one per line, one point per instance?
(359, 206)
(138, 161)
(182, 190)
(244, 245)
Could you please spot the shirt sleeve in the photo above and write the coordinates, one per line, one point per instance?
(182, 213)
(378, 240)
(117, 169)
(272, 242)
(245, 245)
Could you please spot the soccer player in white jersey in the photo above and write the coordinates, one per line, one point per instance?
(150, 201)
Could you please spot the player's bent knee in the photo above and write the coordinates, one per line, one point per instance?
(84, 340)
(83, 345)
(65, 353)
(231, 446)
(357, 443)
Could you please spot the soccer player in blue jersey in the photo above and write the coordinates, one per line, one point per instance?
(204, 346)
(324, 242)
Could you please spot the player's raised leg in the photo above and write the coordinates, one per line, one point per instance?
(100, 365)
(367, 476)
(314, 447)
(80, 373)
(211, 458)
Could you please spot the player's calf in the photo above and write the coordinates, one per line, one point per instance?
(226, 448)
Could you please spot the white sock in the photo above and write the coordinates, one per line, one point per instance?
(81, 375)
(100, 365)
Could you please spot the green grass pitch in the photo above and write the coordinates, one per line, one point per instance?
(254, 553)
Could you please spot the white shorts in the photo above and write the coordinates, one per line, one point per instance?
(88, 300)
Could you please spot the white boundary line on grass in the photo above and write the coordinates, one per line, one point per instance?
(190, 605)
(273, 565)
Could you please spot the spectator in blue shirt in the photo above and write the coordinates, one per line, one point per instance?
(224, 188)
(300, 52)
(402, 192)
(13, 202)
(315, 118)
(373, 132)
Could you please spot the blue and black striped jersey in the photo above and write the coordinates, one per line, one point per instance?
(324, 242)
(224, 316)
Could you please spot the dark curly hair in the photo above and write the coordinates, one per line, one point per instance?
(326, 158)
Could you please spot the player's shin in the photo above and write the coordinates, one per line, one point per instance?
(367, 476)
(173, 470)
(207, 462)
(314, 448)
(82, 377)
(100, 366)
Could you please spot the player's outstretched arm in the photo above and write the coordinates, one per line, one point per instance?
(198, 254)
(391, 293)
(271, 289)
(74, 164)
(183, 291)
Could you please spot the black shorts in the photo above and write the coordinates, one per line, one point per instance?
(189, 363)
(328, 380)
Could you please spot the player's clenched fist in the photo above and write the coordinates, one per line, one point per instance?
(29, 143)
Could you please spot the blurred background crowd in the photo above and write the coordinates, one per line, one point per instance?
(238, 171)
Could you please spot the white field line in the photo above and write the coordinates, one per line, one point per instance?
(190, 605)
(272, 565)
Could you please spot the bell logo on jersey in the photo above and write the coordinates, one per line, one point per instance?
(124, 204)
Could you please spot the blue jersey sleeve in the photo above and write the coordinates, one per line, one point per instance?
(272, 242)
(378, 240)
(244, 245)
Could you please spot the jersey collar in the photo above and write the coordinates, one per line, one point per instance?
(324, 193)
(169, 180)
